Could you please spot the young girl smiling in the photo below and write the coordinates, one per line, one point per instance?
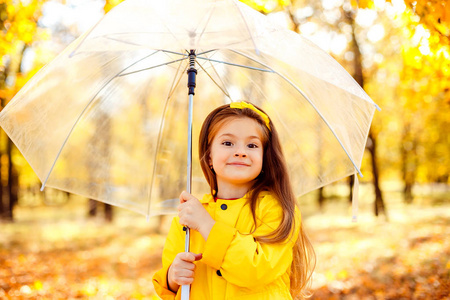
(247, 241)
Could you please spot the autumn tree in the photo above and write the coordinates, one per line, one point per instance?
(18, 30)
(414, 73)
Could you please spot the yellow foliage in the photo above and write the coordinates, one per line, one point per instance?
(38, 285)
(435, 14)
(362, 3)
(267, 6)
(109, 4)
(329, 275)
(19, 20)
(416, 94)
(342, 275)
(89, 289)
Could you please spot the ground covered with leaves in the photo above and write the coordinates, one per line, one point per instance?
(57, 253)
(402, 259)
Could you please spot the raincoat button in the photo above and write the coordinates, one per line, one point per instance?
(223, 206)
(218, 273)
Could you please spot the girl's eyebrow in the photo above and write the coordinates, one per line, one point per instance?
(234, 136)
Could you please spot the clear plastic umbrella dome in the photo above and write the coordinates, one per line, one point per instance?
(107, 118)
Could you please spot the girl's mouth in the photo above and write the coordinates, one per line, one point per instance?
(238, 164)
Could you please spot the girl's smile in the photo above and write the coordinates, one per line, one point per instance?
(237, 156)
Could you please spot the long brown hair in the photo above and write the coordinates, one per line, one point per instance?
(273, 178)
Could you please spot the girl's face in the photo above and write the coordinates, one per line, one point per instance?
(237, 153)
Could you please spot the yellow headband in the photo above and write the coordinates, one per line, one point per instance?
(242, 105)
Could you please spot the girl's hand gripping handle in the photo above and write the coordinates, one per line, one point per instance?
(193, 215)
(182, 270)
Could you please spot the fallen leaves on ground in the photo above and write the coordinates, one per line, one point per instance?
(74, 258)
(400, 259)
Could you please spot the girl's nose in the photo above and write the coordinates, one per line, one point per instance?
(240, 154)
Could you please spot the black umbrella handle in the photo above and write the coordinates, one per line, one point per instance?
(192, 72)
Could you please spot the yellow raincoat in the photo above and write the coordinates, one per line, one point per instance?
(234, 265)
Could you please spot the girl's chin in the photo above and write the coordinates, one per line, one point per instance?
(239, 180)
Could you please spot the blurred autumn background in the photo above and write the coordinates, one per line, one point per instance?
(54, 245)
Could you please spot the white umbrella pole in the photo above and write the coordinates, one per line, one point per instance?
(192, 72)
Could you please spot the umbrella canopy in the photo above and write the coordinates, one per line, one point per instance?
(107, 118)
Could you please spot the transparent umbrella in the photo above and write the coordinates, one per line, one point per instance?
(109, 118)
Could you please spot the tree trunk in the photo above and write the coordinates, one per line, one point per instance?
(320, 198)
(14, 198)
(92, 211)
(2, 208)
(108, 209)
(379, 203)
(108, 213)
(4, 200)
(2, 205)
(102, 170)
(11, 190)
(351, 182)
(409, 163)
(358, 75)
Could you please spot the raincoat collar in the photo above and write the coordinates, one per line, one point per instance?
(208, 198)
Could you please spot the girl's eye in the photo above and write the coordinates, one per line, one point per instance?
(227, 143)
(252, 146)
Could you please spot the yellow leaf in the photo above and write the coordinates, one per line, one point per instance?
(9, 36)
(89, 289)
(362, 3)
(21, 257)
(110, 4)
(38, 285)
(10, 10)
(6, 94)
(343, 274)
(329, 276)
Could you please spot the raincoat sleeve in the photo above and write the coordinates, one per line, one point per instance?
(241, 259)
(174, 244)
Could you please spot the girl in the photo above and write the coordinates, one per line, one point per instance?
(246, 238)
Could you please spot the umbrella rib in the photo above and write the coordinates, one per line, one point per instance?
(187, 52)
(246, 25)
(157, 66)
(323, 118)
(84, 38)
(161, 127)
(173, 52)
(118, 40)
(237, 65)
(223, 91)
(82, 113)
(206, 52)
(312, 104)
(207, 21)
(174, 85)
